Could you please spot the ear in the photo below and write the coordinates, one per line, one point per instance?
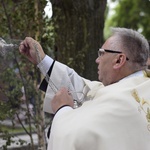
(119, 61)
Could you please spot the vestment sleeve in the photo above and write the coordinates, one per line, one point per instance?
(63, 76)
(60, 75)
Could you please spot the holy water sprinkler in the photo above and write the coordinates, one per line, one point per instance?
(5, 47)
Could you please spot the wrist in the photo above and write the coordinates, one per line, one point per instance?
(43, 56)
(61, 108)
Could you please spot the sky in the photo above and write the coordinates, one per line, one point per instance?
(111, 6)
(48, 9)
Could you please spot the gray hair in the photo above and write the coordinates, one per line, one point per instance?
(134, 44)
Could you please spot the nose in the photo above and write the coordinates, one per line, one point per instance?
(97, 60)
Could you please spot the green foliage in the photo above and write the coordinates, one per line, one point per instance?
(6, 110)
(19, 19)
(47, 39)
(7, 135)
(131, 14)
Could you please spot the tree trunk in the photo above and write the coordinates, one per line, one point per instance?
(79, 33)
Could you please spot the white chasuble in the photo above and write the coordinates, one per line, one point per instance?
(116, 117)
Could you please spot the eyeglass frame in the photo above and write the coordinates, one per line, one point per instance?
(109, 51)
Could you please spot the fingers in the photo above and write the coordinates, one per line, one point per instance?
(25, 45)
(64, 94)
(63, 90)
(32, 50)
(61, 98)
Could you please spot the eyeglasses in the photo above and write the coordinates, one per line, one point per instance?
(101, 52)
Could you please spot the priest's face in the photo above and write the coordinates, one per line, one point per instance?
(106, 56)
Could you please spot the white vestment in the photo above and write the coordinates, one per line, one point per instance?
(115, 117)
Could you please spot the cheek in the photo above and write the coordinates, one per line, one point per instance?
(103, 68)
(102, 64)
(100, 67)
